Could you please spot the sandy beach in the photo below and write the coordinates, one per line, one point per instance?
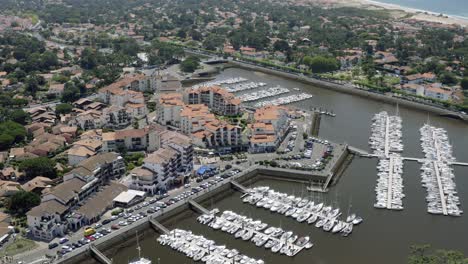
(417, 13)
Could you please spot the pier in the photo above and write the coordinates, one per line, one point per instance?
(158, 226)
(360, 152)
(238, 186)
(241, 225)
(387, 141)
(327, 182)
(300, 209)
(390, 184)
(99, 255)
(198, 247)
(441, 188)
(197, 207)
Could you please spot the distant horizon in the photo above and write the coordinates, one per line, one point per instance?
(457, 8)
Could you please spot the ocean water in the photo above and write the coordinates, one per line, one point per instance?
(446, 7)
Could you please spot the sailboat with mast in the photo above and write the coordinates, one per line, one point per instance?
(140, 259)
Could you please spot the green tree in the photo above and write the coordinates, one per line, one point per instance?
(281, 45)
(464, 83)
(63, 109)
(422, 254)
(32, 85)
(190, 64)
(22, 201)
(11, 133)
(88, 59)
(41, 166)
(70, 93)
(49, 59)
(19, 116)
(448, 78)
(319, 64)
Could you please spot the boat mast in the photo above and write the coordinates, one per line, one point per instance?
(138, 246)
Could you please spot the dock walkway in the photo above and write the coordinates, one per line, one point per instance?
(390, 183)
(238, 186)
(158, 226)
(198, 207)
(441, 188)
(99, 255)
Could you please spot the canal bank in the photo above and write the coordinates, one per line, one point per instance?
(349, 90)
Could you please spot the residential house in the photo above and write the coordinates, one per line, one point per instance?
(435, 92)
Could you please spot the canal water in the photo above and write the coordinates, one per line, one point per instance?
(385, 236)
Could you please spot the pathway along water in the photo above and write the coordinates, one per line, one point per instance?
(385, 236)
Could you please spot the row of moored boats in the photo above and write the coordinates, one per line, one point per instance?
(238, 87)
(269, 92)
(386, 134)
(233, 80)
(248, 229)
(284, 100)
(386, 143)
(437, 174)
(202, 249)
(302, 210)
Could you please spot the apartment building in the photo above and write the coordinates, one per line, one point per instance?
(181, 144)
(131, 139)
(159, 171)
(219, 100)
(46, 220)
(268, 129)
(168, 109)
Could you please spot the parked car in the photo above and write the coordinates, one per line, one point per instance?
(53, 245)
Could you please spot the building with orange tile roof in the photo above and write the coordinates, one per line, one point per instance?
(269, 127)
(168, 109)
(218, 99)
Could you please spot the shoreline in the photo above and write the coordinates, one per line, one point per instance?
(419, 14)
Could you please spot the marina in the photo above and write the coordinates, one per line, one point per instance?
(269, 92)
(202, 249)
(357, 185)
(437, 174)
(247, 229)
(302, 210)
(285, 100)
(385, 142)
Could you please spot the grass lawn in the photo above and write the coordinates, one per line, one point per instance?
(19, 246)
